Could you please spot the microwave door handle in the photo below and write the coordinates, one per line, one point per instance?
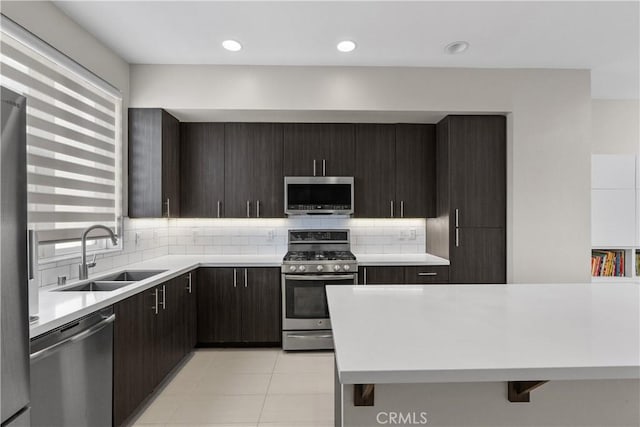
(324, 167)
(314, 167)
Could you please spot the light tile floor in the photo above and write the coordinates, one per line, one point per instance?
(242, 388)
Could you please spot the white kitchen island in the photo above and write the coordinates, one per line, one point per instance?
(446, 354)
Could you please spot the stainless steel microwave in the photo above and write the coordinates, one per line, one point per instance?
(318, 195)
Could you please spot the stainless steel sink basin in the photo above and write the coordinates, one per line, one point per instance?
(98, 285)
(131, 276)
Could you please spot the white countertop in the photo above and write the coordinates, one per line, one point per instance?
(58, 308)
(484, 333)
(365, 260)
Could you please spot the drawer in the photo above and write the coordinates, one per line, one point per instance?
(435, 274)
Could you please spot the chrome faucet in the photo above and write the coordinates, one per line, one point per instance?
(84, 266)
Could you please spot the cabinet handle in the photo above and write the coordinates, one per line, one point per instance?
(457, 237)
(189, 282)
(314, 167)
(219, 208)
(457, 218)
(164, 297)
(365, 275)
(245, 277)
(257, 208)
(248, 209)
(324, 167)
(155, 297)
(391, 203)
(168, 202)
(401, 208)
(235, 278)
(429, 273)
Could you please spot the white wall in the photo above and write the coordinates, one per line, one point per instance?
(549, 145)
(615, 126)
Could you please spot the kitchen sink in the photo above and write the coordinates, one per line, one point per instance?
(98, 285)
(131, 276)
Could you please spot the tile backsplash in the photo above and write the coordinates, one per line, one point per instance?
(150, 238)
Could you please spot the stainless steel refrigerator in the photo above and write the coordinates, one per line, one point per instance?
(13, 262)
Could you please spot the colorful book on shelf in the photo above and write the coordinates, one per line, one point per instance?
(607, 263)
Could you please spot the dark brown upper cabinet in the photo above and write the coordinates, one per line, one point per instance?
(253, 178)
(154, 162)
(415, 170)
(319, 149)
(395, 171)
(375, 177)
(477, 174)
(202, 170)
(470, 229)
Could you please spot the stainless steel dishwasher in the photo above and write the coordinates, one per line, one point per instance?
(72, 373)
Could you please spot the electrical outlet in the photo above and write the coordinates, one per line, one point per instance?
(403, 235)
(137, 238)
(412, 234)
(270, 235)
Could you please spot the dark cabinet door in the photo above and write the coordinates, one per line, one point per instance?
(266, 167)
(261, 305)
(478, 170)
(201, 170)
(238, 176)
(218, 305)
(133, 354)
(328, 146)
(171, 164)
(415, 189)
(254, 183)
(154, 163)
(375, 177)
(190, 328)
(145, 155)
(479, 256)
(381, 275)
(424, 275)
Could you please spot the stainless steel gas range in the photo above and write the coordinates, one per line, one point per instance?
(316, 258)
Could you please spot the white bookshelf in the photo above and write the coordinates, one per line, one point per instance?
(615, 210)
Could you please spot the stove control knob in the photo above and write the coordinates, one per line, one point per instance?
(292, 268)
(319, 268)
(302, 268)
(336, 267)
(347, 267)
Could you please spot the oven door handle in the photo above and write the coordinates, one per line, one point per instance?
(315, 277)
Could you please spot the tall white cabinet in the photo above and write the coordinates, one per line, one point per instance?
(615, 209)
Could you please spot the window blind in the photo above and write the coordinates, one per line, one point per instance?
(73, 137)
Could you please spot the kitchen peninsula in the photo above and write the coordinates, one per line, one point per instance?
(467, 355)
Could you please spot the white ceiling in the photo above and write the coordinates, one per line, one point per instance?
(601, 36)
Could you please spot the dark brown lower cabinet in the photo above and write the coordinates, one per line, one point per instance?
(479, 257)
(133, 351)
(400, 275)
(424, 275)
(380, 275)
(148, 342)
(239, 305)
(190, 328)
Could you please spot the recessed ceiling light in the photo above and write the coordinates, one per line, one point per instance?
(456, 47)
(232, 45)
(346, 46)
